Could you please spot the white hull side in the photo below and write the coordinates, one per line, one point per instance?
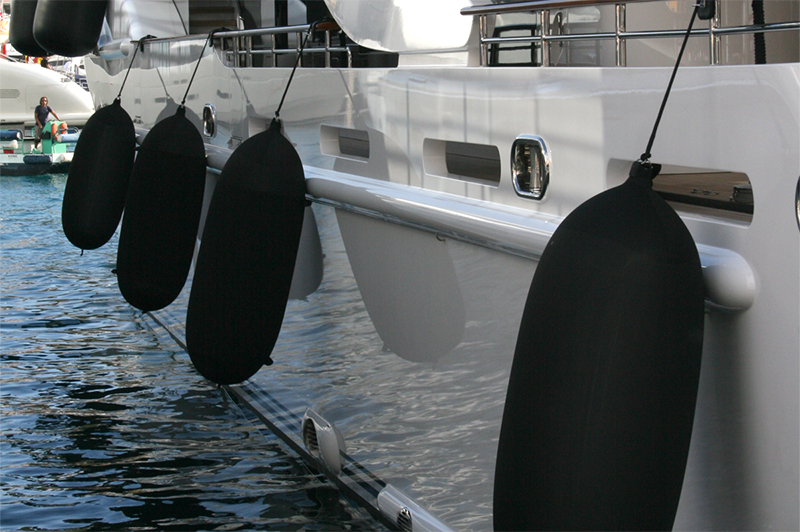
(743, 464)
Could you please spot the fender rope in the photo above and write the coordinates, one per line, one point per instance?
(645, 158)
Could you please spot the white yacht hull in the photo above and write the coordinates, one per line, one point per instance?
(431, 269)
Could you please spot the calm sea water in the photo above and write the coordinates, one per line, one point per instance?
(104, 428)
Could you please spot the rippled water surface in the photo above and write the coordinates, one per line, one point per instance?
(105, 428)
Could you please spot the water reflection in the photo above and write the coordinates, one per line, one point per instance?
(104, 428)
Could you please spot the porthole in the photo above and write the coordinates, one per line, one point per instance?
(209, 120)
(797, 202)
(530, 167)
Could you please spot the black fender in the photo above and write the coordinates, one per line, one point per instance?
(601, 398)
(69, 28)
(162, 214)
(98, 178)
(20, 28)
(246, 260)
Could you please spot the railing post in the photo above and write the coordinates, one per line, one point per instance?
(272, 48)
(236, 58)
(483, 30)
(620, 28)
(300, 47)
(713, 38)
(545, 25)
(248, 49)
(327, 48)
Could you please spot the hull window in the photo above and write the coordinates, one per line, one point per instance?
(478, 163)
(344, 142)
(724, 194)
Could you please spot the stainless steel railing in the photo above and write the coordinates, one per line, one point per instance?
(542, 8)
(238, 46)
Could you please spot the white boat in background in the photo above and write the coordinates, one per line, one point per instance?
(23, 84)
(443, 143)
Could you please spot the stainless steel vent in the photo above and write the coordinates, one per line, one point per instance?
(404, 520)
(324, 441)
(310, 436)
(408, 515)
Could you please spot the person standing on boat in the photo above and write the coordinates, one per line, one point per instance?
(40, 114)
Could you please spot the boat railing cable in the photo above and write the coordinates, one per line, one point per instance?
(645, 158)
(133, 58)
(197, 65)
(294, 69)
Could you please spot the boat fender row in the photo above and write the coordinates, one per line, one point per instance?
(246, 259)
(98, 179)
(44, 27)
(20, 28)
(601, 398)
(162, 214)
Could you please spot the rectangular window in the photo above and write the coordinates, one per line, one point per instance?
(478, 163)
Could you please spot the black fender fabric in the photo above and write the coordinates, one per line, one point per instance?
(246, 259)
(98, 178)
(162, 214)
(20, 28)
(69, 28)
(601, 397)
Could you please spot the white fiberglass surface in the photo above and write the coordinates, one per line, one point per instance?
(404, 25)
(428, 428)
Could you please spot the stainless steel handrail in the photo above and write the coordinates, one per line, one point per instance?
(242, 44)
(300, 28)
(537, 5)
(621, 35)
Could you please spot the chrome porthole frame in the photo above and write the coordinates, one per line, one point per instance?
(797, 202)
(530, 167)
(209, 120)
